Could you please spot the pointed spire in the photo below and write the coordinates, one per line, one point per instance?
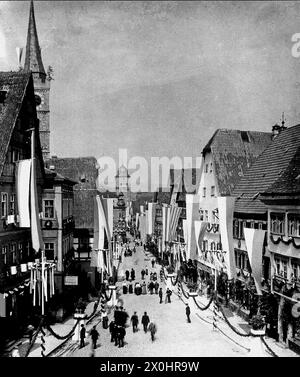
(33, 58)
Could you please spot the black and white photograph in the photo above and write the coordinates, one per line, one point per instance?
(149, 182)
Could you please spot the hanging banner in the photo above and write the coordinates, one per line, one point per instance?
(108, 204)
(137, 221)
(164, 230)
(254, 239)
(141, 210)
(168, 224)
(226, 207)
(36, 231)
(175, 215)
(200, 228)
(185, 231)
(23, 169)
(151, 217)
(192, 210)
(146, 222)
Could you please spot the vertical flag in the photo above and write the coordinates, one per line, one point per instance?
(192, 206)
(254, 239)
(36, 231)
(226, 207)
(23, 190)
(200, 228)
(164, 230)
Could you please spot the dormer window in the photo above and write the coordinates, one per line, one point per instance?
(3, 95)
(245, 136)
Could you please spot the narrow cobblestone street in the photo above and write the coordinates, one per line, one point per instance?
(175, 337)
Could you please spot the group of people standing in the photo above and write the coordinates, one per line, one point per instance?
(117, 326)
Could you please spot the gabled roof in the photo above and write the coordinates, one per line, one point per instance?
(184, 181)
(289, 181)
(53, 175)
(276, 163)
(16, 84)
(233, 152)
(33, 58)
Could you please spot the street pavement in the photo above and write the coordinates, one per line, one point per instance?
(175, 337)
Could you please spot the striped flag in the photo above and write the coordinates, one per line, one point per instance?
(175, 214)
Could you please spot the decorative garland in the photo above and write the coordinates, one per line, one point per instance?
(182, 290)
(288, 242)
(268, 348)
(34, 338)
(65, 336)
(176, 280)
(205, 307)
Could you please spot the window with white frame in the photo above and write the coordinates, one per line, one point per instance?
(206, 168)
(204, 192)
(206, 215)
(4, 202)
(13, 253)
(294, 225)
(281, 267)
(277, 223)
(12, 204)
(212, 191)
(296, 269)
(49, 208)
(49, 250)
(4, 254)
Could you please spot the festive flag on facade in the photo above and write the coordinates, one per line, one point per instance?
(151, 217)
(192, 208)
(175, 214)
(137, 221)
(168, 223)
(226, 207)
(35, 224)
(254, 239)
(200, 228)
(164, 229)
(185, 231)
(108, 205)
(23, 189)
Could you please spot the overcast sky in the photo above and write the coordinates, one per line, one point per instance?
(159, 78)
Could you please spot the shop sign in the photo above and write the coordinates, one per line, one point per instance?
(71, 280)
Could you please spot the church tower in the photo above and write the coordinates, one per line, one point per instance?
(34, 63)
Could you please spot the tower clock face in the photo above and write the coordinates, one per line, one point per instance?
(39, 100)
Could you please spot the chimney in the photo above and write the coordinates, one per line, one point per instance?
(275, 130)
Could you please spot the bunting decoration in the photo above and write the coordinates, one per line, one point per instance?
(254, 239)
(226, 207)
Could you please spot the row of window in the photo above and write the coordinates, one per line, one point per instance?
(213, 246)
(16, 251)
(208, 168)
(7, 204)
(212, 191)
(48, 208)
(204, 216)
(239, 225)
(278, 224)
(282, 268)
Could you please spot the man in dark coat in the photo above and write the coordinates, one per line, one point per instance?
(160, 293)
(94, 336)
(117, 316)
(112, 330)
(188, 312)
(135, 322)
(145, 321)
(82, 336)
(121, 335)
(143, 273)
(127, 275)
(153, 263)
(123, 317)
(168, 295)
(156, 286)
(132, 273)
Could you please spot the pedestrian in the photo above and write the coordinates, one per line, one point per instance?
(153, 263)
(124, 315)
(117, 334)
(145, 321)
(143, 272)
(160, 293)
(95, 306)
(135, 322)
(188, 312)
(121, 336)
(132, 274)
(112, 330)
(144, 288)
(168, 296)
(94, 336)
(146, 271)
(127, 275)
(156, 286)
(152, 329)
(82, 336)
(30, 332)
(15, 352)
(125, 288)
